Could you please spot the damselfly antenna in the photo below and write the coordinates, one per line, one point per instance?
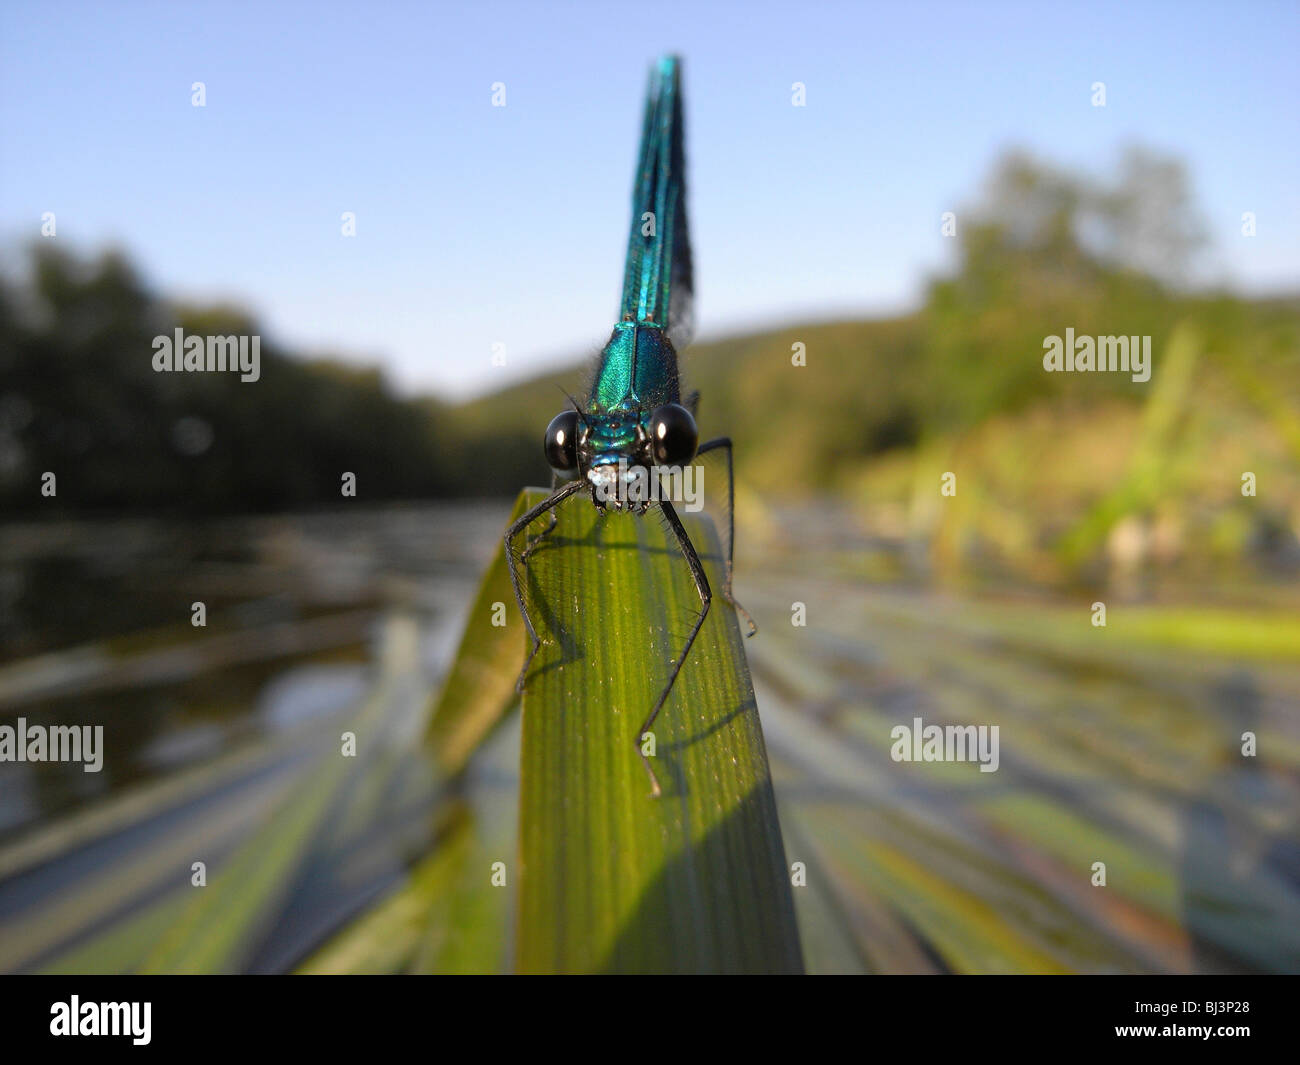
(581, 416)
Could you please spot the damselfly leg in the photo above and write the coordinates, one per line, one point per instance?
(535, 540)
(706, 597)
(526, 519)
(723, 443)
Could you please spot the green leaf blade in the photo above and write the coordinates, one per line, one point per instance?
(480, 687)
(611, 879)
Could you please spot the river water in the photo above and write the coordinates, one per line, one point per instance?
(222, 746)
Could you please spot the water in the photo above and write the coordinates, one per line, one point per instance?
(97, 625)
(224, 745)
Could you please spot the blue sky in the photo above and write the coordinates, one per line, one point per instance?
(478, 225)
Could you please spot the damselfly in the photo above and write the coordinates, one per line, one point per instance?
(634, 422)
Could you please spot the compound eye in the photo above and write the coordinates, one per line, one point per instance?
(562, 441)
(673, 436)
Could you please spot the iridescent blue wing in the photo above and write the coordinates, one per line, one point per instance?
(658, 283)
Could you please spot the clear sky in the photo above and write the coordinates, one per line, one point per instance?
(479, 224)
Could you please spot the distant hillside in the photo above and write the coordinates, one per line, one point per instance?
(1056, 473)
(1060, 474)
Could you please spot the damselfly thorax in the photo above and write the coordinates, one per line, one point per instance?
(634, 420)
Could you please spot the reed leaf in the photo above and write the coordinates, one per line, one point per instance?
(611, 879)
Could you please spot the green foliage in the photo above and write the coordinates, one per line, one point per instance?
(480, 686)
(609, 878)
(83, 399)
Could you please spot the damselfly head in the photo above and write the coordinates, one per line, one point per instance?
(618, 453)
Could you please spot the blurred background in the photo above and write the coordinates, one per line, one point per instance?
(421, 210)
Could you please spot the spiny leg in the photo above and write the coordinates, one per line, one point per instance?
(706, 597)
(714, 445)
(524, 521)
(535, 541)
